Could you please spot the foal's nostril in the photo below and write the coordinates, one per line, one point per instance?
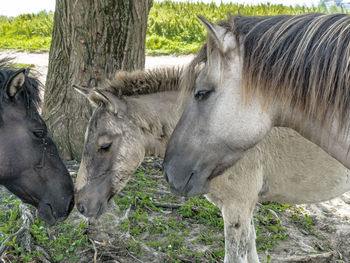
(81, 208)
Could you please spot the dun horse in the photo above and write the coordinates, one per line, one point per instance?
(126, 126)
(30, 166)
(261, 72)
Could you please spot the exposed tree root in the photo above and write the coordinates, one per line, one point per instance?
(23, 237)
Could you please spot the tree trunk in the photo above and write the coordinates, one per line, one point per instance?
(91, 40)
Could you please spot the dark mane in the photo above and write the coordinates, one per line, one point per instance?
(143, 82)
(301, 61)
(30, 91)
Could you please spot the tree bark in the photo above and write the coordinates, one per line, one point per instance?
(91, 40)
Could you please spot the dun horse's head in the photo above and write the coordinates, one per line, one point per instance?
(113, 149)
(216, 127)
(30, 166)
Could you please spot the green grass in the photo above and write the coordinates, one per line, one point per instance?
(173, 27)
(68, 239)
(22, 65)
(304, 220)
(26, 32)
(176, 232)
(10, 223)
(269, 229)
(61, 241)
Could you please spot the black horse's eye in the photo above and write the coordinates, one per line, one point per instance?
(105, 147)
(202, 94)
(39, 133)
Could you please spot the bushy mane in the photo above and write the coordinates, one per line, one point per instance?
(29, 91)
(143, 82)
(302, 62)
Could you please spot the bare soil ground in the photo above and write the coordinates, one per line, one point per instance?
(146, 223)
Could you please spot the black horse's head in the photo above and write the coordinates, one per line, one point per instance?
(30, 166)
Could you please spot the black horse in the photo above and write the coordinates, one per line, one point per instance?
(30, 166)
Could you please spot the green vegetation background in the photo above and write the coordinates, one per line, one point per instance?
(173, 27)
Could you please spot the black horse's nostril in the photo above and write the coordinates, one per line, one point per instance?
(71, 205)
(81, 208)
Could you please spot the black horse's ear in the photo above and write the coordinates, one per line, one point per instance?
(15, 82)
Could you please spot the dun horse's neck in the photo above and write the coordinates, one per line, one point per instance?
(335, 143)
(159, 114)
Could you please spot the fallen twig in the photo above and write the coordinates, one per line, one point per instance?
(162, 192)
(167, 205)
(44, 256)
(131, 255)
(127, 212)
(95, 250)
(308, 258)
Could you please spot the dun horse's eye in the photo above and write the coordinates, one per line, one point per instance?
(105, 147)
(39, 133)
(202, 94)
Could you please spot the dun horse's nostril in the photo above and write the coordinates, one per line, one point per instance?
(81, 208)
(166, 177)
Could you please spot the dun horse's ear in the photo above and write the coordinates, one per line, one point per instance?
(15, 82)
(81, 90)
(223, 39)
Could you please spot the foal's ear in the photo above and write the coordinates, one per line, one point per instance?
(15, 82)
(223, 39)
(112, 103)
(98, 98)
(81, 90)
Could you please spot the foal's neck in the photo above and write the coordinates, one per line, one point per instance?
(159, 113)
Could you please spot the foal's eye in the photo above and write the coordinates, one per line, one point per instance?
(39, 133)
(105, 147)
(202, 94)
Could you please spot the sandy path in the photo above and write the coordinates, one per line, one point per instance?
(41, 60)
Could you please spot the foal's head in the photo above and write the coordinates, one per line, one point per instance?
(128, 122)
(30, 166)
(113, 149)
